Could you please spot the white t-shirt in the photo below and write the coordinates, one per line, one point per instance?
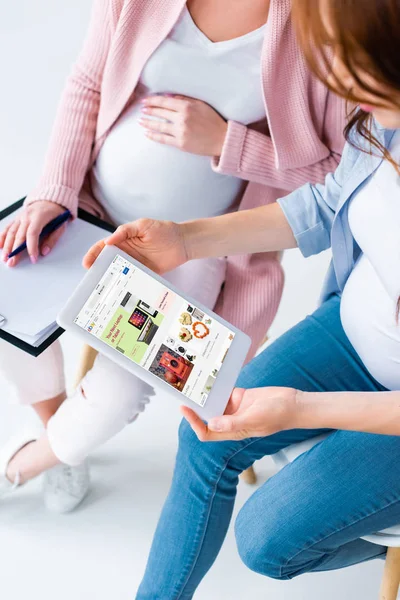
(368, 307)
(135, 177)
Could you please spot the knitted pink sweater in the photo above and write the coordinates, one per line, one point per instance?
(302, 141)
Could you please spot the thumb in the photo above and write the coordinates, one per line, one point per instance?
(227, 424)
(92, 254)
(123, 233)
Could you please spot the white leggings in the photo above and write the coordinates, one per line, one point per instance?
(109, 396)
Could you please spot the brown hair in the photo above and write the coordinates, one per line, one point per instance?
(366, 36)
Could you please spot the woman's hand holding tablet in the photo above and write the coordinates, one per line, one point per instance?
(147, 326)
(164, 245)
(257, 412)
(159, 245)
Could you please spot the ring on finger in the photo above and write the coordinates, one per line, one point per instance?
(158, 126)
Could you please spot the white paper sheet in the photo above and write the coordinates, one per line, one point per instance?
(36, 340)
(31, 296)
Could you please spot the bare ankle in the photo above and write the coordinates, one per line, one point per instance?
(32, 460)
(14, 466)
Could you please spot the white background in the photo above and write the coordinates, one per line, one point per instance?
(99, 551)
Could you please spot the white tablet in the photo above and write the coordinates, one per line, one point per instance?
(140, 321)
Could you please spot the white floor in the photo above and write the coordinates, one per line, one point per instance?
(99, 552)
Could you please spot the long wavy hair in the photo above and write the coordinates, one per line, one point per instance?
(366, 36)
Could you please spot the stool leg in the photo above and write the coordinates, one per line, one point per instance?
(391, 576)
(86, 363)
(249, 476)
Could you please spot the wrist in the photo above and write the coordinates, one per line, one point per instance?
(220, 142)
(290, 409)
(193, 234)
(214, 236)
(304, 413)
(317, 410)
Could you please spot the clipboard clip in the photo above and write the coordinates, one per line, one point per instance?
(3, 321)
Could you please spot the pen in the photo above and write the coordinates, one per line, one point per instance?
(49, 228)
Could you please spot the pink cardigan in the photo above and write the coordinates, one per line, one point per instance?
(302, 142)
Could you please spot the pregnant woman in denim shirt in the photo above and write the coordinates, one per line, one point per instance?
(337, 370)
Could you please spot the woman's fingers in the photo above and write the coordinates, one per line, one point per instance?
(10, 241)
(51, 240)
(120, 235)
(172, 109)
(3, 235)
(93, 253)
(19, 239)
(234, 401)
(231, 425)
(166, 102)
(157, 126)
(27, 228)
(218, 430)
(125, 232)
(169, 116)
(162, 138)
(32, 239)
(195, 423)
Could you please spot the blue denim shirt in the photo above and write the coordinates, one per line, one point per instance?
(318, 214)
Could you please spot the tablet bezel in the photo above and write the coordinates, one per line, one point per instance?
(225, 382)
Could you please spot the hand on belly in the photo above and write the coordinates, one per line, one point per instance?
(184, 123)
(135, 177)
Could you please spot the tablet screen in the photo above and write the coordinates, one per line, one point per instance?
(157, 329)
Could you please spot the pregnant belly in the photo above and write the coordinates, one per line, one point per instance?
(368, 316)
(135, 177)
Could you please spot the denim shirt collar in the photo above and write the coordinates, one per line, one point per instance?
(367, 163)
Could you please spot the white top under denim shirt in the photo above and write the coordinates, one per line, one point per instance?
(136, 177)
(357, 213)
(370, 296)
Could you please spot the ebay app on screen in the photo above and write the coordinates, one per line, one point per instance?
(157, 329)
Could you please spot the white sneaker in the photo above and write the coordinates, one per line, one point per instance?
(65, 487)
(7, 452)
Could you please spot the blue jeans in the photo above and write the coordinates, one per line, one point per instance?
(308, 517)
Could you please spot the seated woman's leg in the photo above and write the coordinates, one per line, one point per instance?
(108, 399)
(38, 382)
(311, 515)
(314, 355)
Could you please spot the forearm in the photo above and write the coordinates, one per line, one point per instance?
(262, 229)
(69, 150)
(370, 412)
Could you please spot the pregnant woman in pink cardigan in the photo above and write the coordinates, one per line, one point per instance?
(175, 110)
